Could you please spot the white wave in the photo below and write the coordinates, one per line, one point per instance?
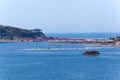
(32, 49)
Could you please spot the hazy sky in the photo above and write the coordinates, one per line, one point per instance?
(62, 15)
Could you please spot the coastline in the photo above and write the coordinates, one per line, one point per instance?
(91, 42)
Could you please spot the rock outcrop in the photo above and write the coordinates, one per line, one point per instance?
(91, 53)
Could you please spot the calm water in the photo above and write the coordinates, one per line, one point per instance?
(19, 64)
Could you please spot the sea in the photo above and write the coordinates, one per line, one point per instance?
(27, 60)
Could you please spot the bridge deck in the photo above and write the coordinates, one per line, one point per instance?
(54, 39)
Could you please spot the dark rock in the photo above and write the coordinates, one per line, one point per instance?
(91, 53)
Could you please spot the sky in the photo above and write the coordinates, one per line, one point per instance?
(54, 16)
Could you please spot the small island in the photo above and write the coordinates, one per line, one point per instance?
(14, 34)
(91, 53)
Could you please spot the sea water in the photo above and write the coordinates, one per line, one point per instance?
(16, 63)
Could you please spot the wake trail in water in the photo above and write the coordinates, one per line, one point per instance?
(33, 49)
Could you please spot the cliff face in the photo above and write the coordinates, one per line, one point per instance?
(8, 32)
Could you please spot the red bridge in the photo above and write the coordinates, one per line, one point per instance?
(47, 39)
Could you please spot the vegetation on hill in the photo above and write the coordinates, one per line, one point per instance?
(8, 32)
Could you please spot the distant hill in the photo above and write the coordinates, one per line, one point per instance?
(8, 32)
